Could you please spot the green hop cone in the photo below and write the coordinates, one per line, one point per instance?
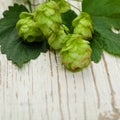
(76, 52)
(27, 28)
(56, 39)
(48, 17)
(83, 25)
(63, 6)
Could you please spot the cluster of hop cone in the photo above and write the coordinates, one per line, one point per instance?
(46, 22)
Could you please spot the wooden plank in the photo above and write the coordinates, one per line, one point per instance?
(44, 90)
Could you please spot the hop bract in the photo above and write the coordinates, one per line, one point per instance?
(75, 52)
(83, 25)
(27, 27)
(48, 17)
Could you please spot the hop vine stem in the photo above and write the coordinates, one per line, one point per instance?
(28, 2)
(75, 7)
(31, 4)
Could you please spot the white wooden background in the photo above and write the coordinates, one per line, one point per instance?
(44, 90)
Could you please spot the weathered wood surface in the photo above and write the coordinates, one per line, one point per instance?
(44, 90)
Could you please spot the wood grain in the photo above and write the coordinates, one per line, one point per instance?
(44, 90)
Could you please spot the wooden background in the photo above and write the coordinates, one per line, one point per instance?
(44, 90)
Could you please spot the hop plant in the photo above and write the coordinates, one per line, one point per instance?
(48, 17)
(75, 52)
(83, 25)
(46, 21)
(27, 27)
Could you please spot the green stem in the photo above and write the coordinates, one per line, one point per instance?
(29, 4)
(47, 1)
(75, 7)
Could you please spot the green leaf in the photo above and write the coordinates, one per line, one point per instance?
(97, 47)
(105, 15)
(67, 19)
(11, 44)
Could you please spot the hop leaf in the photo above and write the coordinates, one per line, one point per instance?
(13, 45)
(76, 52)
(67, 19)
(105, 16)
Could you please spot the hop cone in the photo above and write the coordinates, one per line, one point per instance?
(27, 28)
(56, 39)
(48, 17)
(83, 25)
(76, 52)
(63, 6)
